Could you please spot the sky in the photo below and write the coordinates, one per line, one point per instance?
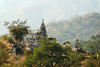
(49, 10)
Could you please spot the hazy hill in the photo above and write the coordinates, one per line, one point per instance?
(81, 27)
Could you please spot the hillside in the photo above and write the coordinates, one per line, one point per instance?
(81, 27)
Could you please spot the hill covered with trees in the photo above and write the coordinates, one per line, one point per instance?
(81, 27)
(49, 53)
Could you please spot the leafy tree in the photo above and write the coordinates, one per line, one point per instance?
(10, 39)
(74, 60)
(89, 63)
(7, 38)
(93, 37)
(17, 29)
(4, 37)
(92, 45)
(49, 54)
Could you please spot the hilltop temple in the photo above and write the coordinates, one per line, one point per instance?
(33, 40)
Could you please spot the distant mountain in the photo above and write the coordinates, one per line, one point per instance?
(81, 27)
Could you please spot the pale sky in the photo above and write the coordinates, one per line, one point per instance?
(36, 10)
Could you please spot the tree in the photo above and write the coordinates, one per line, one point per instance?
(7, 38)
(74, 60)
(49, 54)
(92, 45)
(93, 37)
(17, 29)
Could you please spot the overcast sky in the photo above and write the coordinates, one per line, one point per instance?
(36, 10)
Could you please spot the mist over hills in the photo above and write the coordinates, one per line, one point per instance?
(81, 27)
(35, 10)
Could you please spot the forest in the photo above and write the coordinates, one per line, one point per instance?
(81, 27)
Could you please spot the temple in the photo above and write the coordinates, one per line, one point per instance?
(33, 40)
(43, 29)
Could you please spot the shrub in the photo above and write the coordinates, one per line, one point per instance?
(89, 63)
(10, 39)
(3, 56)
(94, 56)
(2, 45)
(4, 37)
(3, 53)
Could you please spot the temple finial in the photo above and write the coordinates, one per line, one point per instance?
(42, 20)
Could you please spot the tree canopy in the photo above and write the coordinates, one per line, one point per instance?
(92, 45)
(18, 29)
(51, 54)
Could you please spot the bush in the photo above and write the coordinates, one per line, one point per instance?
(89, 63)
(7, 38)
(3, 53)
(94, 56)
(26, 52)
(4, 37)
(2, 45)
(3, 56)
(10, 39)
(73, 60)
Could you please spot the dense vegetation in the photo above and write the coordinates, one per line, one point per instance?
(92, 45)
(3, 53)
(81, 27)
(17, 29)
(51, 54)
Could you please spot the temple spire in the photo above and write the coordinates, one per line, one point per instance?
(43, 29)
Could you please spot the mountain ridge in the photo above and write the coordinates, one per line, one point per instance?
(81, 27)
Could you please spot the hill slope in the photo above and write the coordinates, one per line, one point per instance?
(81, 27)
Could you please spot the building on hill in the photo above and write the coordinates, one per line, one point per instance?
(43, 29)
(33, 39)
(76, 46)
(66, 44)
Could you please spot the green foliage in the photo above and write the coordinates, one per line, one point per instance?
(51, 54)
(2, 45)
(4, 37)
(92, 62)
(26, 52)
(7, 38)
(18, 29)
(10, 39)
(46, 54)
(89, 63)
(3, 53)
(74, 60)
(94, 56)
(81, 27)
(92, 45)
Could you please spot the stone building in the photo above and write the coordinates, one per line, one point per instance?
(33, 39)
(66, 44)
(76, 46)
